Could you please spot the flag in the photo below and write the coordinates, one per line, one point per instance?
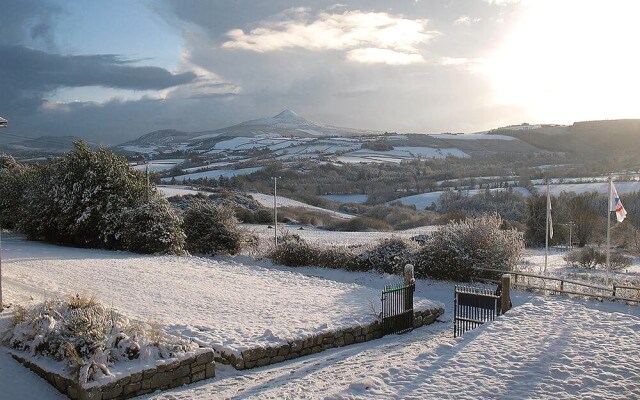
(549, 213)
(616, 205)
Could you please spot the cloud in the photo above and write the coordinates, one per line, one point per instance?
(39, 69)
(502, 2)
(386, 56)
(367, 37)
(466, 20)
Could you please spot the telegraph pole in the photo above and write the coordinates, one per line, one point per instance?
(275, 208)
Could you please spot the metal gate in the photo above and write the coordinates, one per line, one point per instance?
(397, 308)
(473, 307)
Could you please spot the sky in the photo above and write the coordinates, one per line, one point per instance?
(112, 70)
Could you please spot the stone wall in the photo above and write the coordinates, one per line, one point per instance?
(261, 356)
(165, 376)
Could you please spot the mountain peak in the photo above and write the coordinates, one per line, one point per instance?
(287, 114)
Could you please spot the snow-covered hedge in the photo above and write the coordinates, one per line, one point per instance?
(456, 250)
(212, 229)
(88, 337)
(87, 198)
(388, 256)
(153, 227)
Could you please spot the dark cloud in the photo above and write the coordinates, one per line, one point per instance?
(38, 70)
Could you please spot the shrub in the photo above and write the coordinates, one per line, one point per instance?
(153, 227)
(88, 336)
(590, 258)
(212, 229)
(388, 256)
(82, 198)
(458, 249)
(359, 224)
(585, 257)
(619, 261)
(294, 251)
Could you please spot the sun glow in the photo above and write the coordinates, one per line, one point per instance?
(567, 61)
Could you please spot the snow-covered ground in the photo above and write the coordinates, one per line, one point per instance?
(546, 348)
(227, 304)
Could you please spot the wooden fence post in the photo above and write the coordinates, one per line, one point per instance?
(505, 300)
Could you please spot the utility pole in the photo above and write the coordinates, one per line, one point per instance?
(275, 208)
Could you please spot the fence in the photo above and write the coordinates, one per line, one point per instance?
(473, 307)
(553, 284)
(397, 308)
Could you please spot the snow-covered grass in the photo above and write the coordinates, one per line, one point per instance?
(229, 305)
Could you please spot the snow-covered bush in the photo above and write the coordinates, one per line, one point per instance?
(586, 257)
(589, 257)
(456, 250)
(81, 198)
(294, 251)
(88, 336)
(153, 227)
(212, 229)
(389, 256)
(13, 179)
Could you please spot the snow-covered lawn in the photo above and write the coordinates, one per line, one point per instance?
(546, 348)
(229, 305)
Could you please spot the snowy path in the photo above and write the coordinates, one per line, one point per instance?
(552, 348)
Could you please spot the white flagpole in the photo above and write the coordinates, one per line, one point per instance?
(609, 228)
(546, 236)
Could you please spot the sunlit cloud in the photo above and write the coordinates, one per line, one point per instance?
(383, 56)
(367, 37)
(466, 20)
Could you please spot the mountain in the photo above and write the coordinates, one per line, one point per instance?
(40, 147)
(288, 123)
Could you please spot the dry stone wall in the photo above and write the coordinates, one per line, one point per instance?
(165, 376)
(261, 356)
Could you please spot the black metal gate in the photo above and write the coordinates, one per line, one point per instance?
(473, 307)
(397, 308)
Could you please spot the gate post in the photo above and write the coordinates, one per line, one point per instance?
(505, 299)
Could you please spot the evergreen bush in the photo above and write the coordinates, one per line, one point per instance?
(458, 249)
